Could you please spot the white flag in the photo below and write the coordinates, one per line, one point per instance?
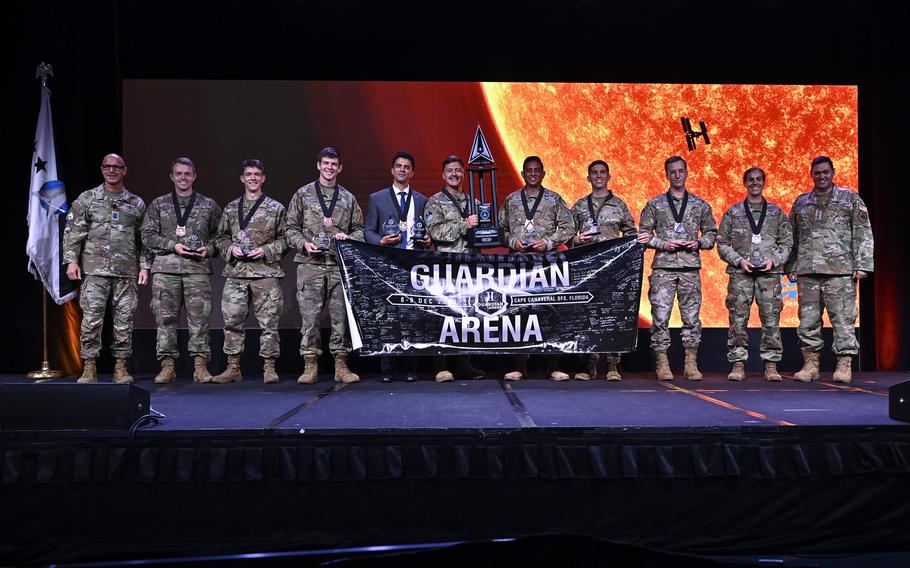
(46, 204)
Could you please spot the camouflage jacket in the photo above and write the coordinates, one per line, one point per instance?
(266, 229)
(305, 221)
(552, 218)
(445, 224)
(613, 218)
(734, 238)
(831, 234)
(102, 233)
(657, 217)
(159, 233)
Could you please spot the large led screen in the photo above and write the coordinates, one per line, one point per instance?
(634, 127)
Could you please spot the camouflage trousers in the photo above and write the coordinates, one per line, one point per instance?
(664, 285)
(94, 294)
(169, 293)
(837, 294)
(318, 284)
(765, 289)
(268, 301)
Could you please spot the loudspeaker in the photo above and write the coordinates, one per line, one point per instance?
(899, 401)
(50, 406)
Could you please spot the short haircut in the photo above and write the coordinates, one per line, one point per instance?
(254, 163)
(407, 156)
(750, 170)
(185, 161)
(822, 160)
(673, 159)
(598, 163)
(524, 165)
(328, 152)
(451, 159)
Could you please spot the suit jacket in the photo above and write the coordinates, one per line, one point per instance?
(382, 205)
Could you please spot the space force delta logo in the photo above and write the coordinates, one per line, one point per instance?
(502, 296)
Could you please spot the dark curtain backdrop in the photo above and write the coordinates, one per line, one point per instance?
(95, 44)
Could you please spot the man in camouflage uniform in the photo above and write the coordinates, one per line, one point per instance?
(319, 212)
(102, 242)
(181, 275)
(671, 223)
(251, 238)
(601, 211)
(754, 239)
(832, 250)
(448, 219)
(535, 219)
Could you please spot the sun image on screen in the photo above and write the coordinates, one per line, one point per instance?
(634, 127)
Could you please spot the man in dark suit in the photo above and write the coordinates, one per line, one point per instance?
(391, 215)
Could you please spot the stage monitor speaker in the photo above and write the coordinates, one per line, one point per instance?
(899, 401)
(54, 406)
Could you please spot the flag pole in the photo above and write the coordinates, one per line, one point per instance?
(46, 372)
(43, 72)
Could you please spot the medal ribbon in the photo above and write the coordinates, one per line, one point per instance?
(182, 219)
(462, 210)
(326, 211)
(244, 221)
(756, 228)
(678, 217)
(530, 212)
(595, 216)
(402, 212)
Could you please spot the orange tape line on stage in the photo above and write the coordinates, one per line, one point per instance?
(729, 406)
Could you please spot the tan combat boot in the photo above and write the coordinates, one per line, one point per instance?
(844, 371)
(662, 366)
(201, 370)
(232, 373)
(89, 372)
(809, 372)
(269, 376)
(738, 373)
(771, 373)
(521, 369)
(613, 371)
(310, 372)
(121, 375)
(590, 371)
(690, 367)
(167, 373)
(444, 376)
(342, 373)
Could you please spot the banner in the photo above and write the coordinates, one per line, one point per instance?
(47, 207)
(583, 300)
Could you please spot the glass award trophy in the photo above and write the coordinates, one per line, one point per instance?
(391, 227)
(193, 243)
(418, 231)
(322, 241)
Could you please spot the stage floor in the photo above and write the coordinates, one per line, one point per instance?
(637, 402)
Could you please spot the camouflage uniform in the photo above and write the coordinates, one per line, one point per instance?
(445, 224)
(552, 218)
(256, 278)
(734, 244)
(318, 275)
(676, 273)
(102, 236)
(832, 238)
(177, 280)
(614, 220)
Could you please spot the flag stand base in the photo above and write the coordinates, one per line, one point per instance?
(45, 373)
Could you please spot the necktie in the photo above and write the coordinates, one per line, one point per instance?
(403, 243)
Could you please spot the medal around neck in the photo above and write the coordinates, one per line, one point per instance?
(487, 233)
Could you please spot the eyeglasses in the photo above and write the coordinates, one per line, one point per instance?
(112, 167)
